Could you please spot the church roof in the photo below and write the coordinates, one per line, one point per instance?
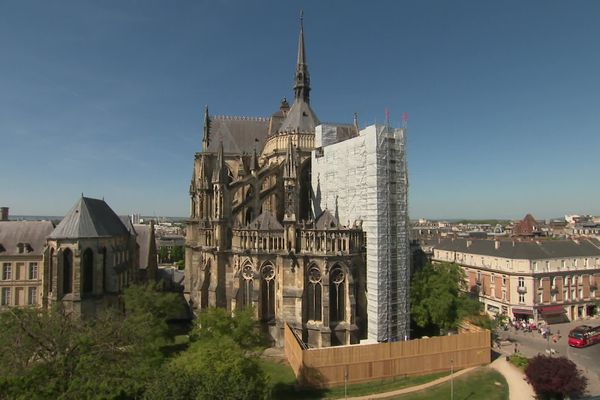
(89, 218)
(31, 235)
(265, 222)
(327, 221)
(300, 118)
(238, 134)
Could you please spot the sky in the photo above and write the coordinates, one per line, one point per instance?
(106, 97)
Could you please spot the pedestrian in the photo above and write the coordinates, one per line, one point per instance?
(516, 348)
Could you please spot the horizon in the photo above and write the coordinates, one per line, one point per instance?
(107, 98)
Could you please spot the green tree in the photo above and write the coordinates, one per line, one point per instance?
(438, 297)
(52, 354)
(213, 369)
(241, 327)
(163, 254)
(177, 253)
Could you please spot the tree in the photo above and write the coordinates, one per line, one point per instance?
(213, 369)
(555, 377)
(241, 327)
(438, 297)
(53, 354)
(219, 361)
(163, 254)
(177, 253)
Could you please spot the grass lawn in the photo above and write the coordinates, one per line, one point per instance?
(283, 381)
(484, 384)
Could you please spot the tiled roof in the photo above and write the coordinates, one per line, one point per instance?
(30, 234)
(529, 250)
(89, 218)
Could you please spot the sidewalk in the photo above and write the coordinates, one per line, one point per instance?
(518, 388)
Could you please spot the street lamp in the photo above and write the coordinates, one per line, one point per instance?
(451, 379)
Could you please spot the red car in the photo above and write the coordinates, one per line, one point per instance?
(584, 335)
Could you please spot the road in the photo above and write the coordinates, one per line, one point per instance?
(587, 358)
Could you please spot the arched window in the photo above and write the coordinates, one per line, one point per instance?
(67, 271)
(87, 271)
(205, 286)
(50, 269)
(246, 285)
(304, 194)
(249, 215)
(103, 252)
(267, 292)
(314, 294)
(337, 292)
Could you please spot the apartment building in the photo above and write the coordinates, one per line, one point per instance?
(550, 280)
(22, 245)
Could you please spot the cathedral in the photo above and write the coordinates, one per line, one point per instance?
(253, 238)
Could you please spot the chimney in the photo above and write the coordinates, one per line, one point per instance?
(496, 244)
(3, 213)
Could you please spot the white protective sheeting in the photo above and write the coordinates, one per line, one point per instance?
(365, 178)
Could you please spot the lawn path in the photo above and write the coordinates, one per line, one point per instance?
(518, 388)
(394, 393)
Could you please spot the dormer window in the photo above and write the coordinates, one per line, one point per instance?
(20, 248)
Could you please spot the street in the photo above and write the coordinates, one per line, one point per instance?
(532, 343)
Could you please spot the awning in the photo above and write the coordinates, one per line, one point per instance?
(552, 310)
(522, 311)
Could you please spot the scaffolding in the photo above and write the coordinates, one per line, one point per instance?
(365, 177)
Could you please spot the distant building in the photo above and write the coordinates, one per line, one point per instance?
(148, 259)
(528, 226)
(551, 280)
(22, 246)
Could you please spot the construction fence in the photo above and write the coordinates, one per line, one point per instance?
(332, 366)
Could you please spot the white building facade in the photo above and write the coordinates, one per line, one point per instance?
(363, 179)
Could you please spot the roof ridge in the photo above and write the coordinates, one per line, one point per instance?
(240, 118)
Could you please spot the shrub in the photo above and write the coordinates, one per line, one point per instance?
(555, 377)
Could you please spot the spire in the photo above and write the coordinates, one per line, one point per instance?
(205, 138)
(290, 161)
(221, 173)
(302, 81)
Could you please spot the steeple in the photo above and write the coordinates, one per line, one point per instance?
(205, 138)
(300, 118)
(302, 81)
(291, 162)
(221, 173)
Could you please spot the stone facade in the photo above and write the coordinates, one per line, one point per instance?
(550, 280)
(252, 237)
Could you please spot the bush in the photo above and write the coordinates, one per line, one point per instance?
(518, 360)
(555, 377)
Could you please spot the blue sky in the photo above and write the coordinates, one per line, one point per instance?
(106, 97)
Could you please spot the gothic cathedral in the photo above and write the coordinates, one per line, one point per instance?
(253, 238)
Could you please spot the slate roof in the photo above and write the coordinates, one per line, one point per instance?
(265, 222)
(528, 250)
(89, 218)
(144, 238)
(327, 221)
(128, 224)
(238, 134)
(32, 234)
(300, 118)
